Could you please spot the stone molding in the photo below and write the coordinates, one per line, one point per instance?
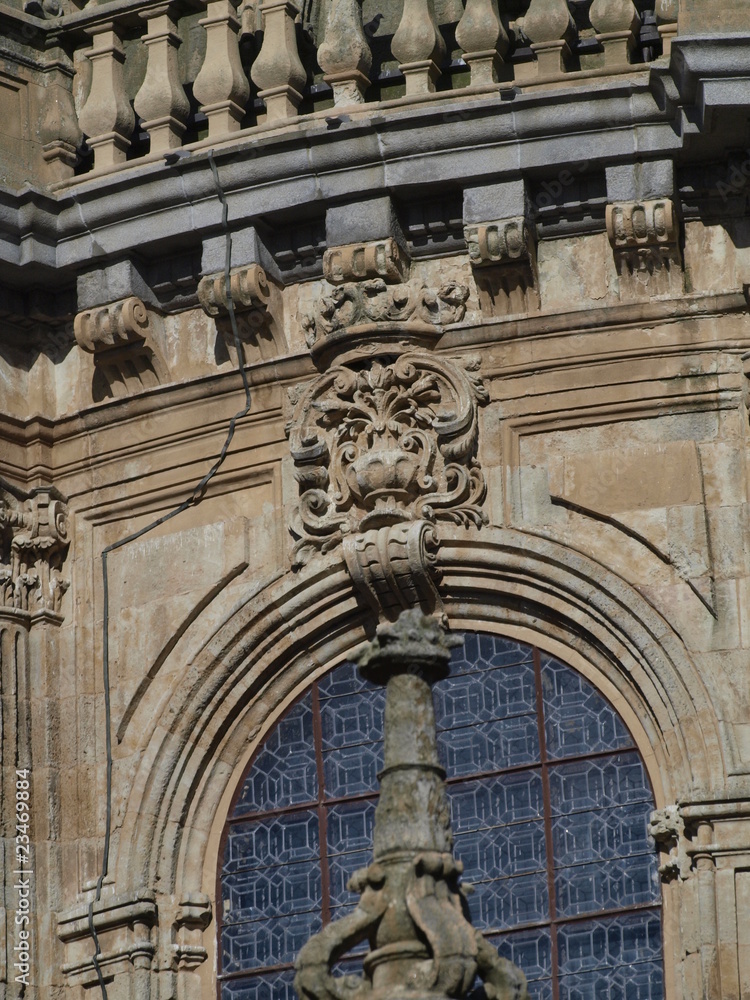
(192, 918)
(644, 236)
(33, 544)
(386, 444)
(503, 256)
(384, 259)
(120, 336)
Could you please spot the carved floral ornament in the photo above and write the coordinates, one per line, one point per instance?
(33, 543)
(386, 443)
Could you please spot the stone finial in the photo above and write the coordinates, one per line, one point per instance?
(106, 117)
(419, 47)
(483, 38)
(278, 70)
(161, 102)
(410, 910)
(119, 335)
(550, 29)
(667, 15)
(345, 55)
(33, 544)
(221, 85)
(616, 23)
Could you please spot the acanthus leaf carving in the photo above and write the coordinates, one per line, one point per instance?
(383, 444)
(33, 543)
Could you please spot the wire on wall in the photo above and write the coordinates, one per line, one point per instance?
(195, 497)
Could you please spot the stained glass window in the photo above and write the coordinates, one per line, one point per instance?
(550, 804)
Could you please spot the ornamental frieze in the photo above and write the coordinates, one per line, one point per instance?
(384, 443)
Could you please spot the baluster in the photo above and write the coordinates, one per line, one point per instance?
(221, 86)
(550, 29)
(161, 102)
(278, 70)
(667, 13)
(106, 117)
(481, 35)
(419, 47)
(345, 55)
(615, 23)
(59, 129)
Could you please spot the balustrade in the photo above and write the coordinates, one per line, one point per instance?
(268, 80)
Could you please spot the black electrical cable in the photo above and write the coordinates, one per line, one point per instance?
(195, 497)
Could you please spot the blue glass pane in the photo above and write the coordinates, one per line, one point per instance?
(284, 772)
(343, 680)
(509, 902)
(266, 942)
(490, 746)
(481, 651)
(268, 986)
(599, 783)
(357, 718)
(251, 895)
(529, 950)
(278, 840)
(607, 885)
(508, 798)
(638, 982)
(352, 770)
(577, 719)
(600, 834)
(608, 942)
(502, 852)
(350, 826)
(466, 699)
(341, 867)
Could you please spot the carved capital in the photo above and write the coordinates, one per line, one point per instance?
(384, 445)
(667, 827)
(644, 236)
(192, 918)
(33, 544)
(359, 261)
(120, 336)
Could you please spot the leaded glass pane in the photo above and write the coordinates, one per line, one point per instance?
(268, 986)
(599, 783)
(284, 772)
(357, 718)
(609, 885)
(470, 698)
(251, 895)
(577, 719)
(278, 840)
(509, 902)
(352, 770)
(601, 834)
(266, 942)
(610, 941)
(491, 802)
(491, 746)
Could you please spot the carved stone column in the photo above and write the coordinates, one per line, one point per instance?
(410, 907)
(278, 70)
(161, 102)
(106, 117)
(616, 23)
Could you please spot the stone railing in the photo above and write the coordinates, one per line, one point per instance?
(154, 76)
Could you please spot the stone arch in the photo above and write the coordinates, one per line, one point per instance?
(299, 625)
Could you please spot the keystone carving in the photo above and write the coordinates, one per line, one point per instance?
(503, 255)
(383, 445)
(645, 238)
(33, 544)
(193, 917)
(360, 261)
(667, 827)
(120, 336)
(258, 311)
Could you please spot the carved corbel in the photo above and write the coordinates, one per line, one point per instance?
(644, 236)
(258, 310)
(361, 261)
(191, 920)
(667, 827)
(120, 336)
(33, 544)
(503, 257)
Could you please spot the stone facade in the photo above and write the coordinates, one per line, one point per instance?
(470, 289)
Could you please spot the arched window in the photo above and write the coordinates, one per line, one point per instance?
(550, 803)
